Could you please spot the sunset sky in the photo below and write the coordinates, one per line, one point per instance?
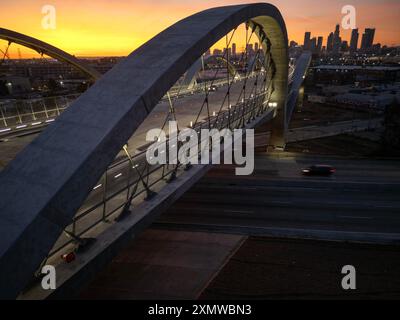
(104, 27)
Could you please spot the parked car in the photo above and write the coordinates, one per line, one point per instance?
(319, 170)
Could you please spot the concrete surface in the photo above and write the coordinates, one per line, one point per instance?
(162, 264)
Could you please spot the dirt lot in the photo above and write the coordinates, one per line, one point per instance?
(316, 113)
(266, 268)
(341, 145)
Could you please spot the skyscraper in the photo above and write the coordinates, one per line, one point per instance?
(234, 49)
(368, 38)
(329, 45)
(256, 47)
(249, 49)
(307, 37)
(336, 40)
(319, 44)
(354, 40)
(313, 45)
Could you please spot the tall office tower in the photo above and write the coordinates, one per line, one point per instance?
(319, 44)
(249, 49)
(354, 40)
(329, 45)
(234, 49)
(307, 37)
(256, 46)
(368, 38)
(313, 45)
(336, 40)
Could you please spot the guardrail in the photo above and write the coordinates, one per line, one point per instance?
(131, 178)
(18, 116)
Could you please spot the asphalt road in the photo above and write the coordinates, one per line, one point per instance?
(187, 107)
(362, 197)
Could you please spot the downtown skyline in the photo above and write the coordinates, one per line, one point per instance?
(88, 30)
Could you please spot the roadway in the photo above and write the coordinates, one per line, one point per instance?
(362, 200)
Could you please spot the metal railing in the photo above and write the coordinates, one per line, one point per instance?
(21, 114)
(128, 179)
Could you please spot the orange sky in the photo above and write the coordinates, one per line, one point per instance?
(104, 27)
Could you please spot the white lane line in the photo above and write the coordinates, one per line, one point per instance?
(22, 126)
(238, 211)
(5, 130)
(98, 186)
(281, 202)
(35, 123)
(384, 207)
(118, 175)
(355, 217)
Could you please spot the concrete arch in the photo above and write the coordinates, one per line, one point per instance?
(44, 186)
(45, 48)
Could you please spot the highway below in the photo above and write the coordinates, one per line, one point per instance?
(360, 202)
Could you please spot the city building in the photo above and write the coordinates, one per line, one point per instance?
(329, 45)
(336, 40)
(319, 44)
(234, 49)
(344, 47)
(307, 38)
(354, 40)
(368, 39)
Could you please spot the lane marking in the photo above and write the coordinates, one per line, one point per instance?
(281, 202)
(238, 211)
(355, 217)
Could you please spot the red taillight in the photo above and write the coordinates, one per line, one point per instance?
(68, 257)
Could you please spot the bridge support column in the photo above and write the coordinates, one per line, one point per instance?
(277, 45)
(300, 98)
(277, 140)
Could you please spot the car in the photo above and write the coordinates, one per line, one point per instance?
(319, 170)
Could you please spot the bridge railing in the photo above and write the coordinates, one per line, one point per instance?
(130, 180)
(20, 115)
(23, 114)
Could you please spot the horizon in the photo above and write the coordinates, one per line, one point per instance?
(116, 29)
